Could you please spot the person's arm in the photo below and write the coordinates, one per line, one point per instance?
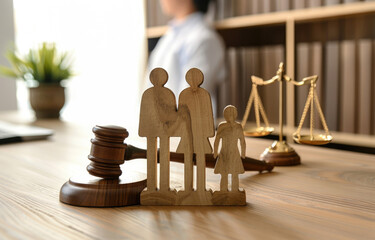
(208, 55)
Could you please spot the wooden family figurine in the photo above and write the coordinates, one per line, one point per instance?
(193, 122)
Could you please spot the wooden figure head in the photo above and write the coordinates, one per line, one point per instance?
(158, 77)
(230, 113)
(194, 77)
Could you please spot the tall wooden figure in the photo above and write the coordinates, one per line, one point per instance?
(198, 102)
(158, 113)
(229, 159)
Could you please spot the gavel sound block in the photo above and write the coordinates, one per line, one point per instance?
(104, 186)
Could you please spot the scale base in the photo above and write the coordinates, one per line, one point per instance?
(90, 191)
(280, 154)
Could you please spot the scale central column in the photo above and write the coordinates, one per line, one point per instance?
(281, 109)
(280, 153)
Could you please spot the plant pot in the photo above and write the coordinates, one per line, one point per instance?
(47, 100)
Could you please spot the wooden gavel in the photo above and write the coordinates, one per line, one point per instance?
(108, 152)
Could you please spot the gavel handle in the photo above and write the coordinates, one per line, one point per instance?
(249, 164)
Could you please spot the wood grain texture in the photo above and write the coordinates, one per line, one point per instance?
(89, 191)
(159, 118)
(198, 102)
(281, 159)
(102, 185)
(229, 159)
(107, 151)
(249, 164)
(329, 196)
(195, 129)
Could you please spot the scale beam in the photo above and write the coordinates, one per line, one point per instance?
(280, 153)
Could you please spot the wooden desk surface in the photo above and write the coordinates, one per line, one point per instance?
(330, 196)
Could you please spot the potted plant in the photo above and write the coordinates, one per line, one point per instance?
(43, 69)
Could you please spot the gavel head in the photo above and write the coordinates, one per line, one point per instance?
(107, 151)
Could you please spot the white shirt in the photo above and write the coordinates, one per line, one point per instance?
(188, 44)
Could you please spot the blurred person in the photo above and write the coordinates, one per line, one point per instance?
(189, 42)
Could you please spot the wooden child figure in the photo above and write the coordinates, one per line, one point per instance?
(229, 159)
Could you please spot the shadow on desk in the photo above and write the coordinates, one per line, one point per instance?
(186, 222)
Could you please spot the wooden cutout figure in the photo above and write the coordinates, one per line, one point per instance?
(198, 101)
(158, 113)
(159, 118)
(229, 159)
(193, 122)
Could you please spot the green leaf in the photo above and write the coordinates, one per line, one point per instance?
(44, 64)
(8, 72)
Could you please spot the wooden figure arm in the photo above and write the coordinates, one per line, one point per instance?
(216, 146)
(217, 140)
(243, 145)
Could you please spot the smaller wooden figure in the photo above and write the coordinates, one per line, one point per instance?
(229, 159)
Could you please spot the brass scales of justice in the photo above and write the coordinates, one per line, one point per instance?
(280, 153)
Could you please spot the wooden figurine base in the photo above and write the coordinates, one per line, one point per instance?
(90, 191)
(159, 198)
(280, 154)
(229, 198)
(193, 198)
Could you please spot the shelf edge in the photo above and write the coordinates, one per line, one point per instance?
(278, 18)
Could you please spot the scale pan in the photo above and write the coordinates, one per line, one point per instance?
(258, 132)
(320, 139)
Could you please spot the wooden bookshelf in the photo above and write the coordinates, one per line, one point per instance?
(279, 18)
(286, 28)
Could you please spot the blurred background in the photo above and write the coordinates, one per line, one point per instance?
(334, 39)
(107, 41)
(111, 41)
